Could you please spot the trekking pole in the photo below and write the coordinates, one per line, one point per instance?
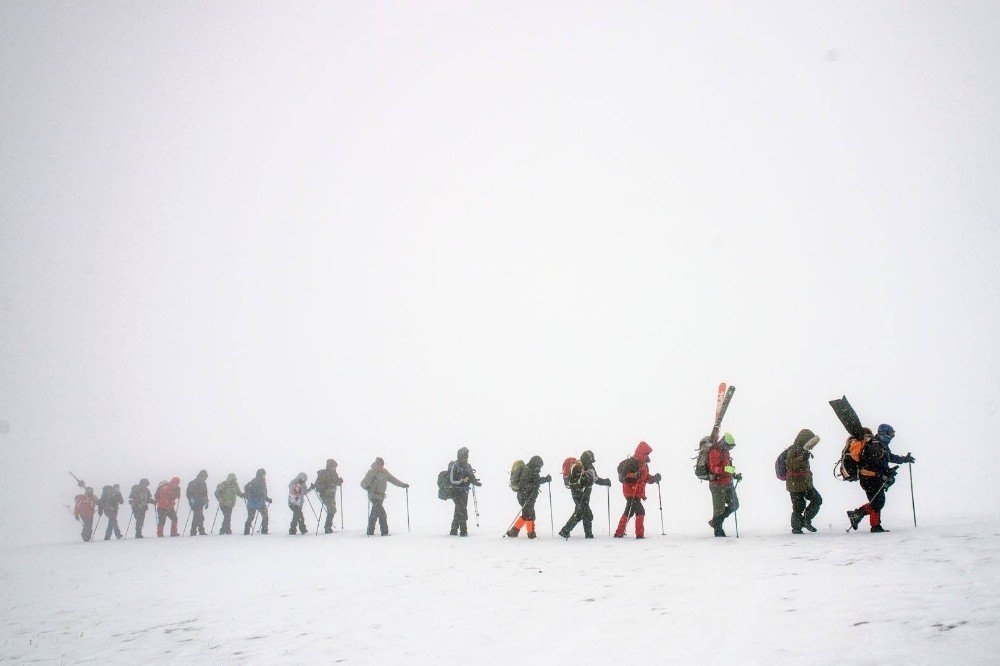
(342, 507)
(319, 518)
(736, 516)
(217, 507)
(190, 509)
(663, 532)
(368, 516)
(519, 512)
(312, 508)
(912, 501)
(475, 504)
(96, 527)
(552, 522)
(609, 510)
(128, 525)
(407, 509)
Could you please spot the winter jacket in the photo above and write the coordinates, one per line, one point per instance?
(458, 470)
(227, 491)
(140, 498)
(84, 506)
(256, 492)
(327, 481)
(876, 457)
(197, 490)
(529, 481)
(799, 478)
(167, 493)
(637, 475)
(111, 499)
(718, 460)
(297, 490)
(375, 482)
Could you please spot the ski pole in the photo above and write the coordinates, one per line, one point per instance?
(519, 512)
(190, 509)
(311, 507)
(129, 524)
(609, 510)
(319, 518)
(217, 507)
(552, 522)
(96, 527)
(912, 501)
(369, 516)
(407, 509)
(342, 507)
(475, 504)
(663, 532)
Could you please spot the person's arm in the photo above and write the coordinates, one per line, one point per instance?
(394, 481)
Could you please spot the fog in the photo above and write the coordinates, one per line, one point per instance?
(242, 235)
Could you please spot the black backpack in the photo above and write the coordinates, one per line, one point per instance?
(781, 465)
(628, 466)
(445, 490)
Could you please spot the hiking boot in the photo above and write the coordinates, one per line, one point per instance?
(808, 526)
(327, 530)
(453, 531)
(796, 531)
(291, 532)
(512, 533)
(879, 528)
(564, 533)
(619, 536)
(588, 535)
(855, 517)
(463, 533)
(639, 536)
(532, 535)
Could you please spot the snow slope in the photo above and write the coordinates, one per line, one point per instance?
(926, 595)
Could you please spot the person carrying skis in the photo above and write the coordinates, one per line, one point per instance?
(257, 500)
(297, 490)
(139, 499)
(168, 493)
(529, 481)
(327, 481)
(633, 472)
(720, 467)
(226, 494)
(197, 497)
(582, 479)
(806, 500)
(375, 483)
(462, 476)
(111, 499)
(84, 508)
(876, 477)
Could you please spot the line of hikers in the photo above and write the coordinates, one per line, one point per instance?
(866, 458)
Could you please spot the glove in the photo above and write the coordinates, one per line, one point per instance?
(603, 482)
(406, 485)
(267, 499)
(657, 477)
(477, 482)
(311, 487)
(909, 458)
(545, 479)
(738, 476)
(206, 504)
(729, 469)
(888, 480)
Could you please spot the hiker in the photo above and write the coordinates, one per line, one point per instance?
(806, 500)
(257, 500)
(139, 499)
(111, 499)
(226, 494)
(461, 475)
(721, 474)
(581, 481)
(297, 491)
(84, 507)
(633, 472)
(168, 493)
(528, 483)
(197, 497)
(876, 477)
(375, 483)
(326, 484)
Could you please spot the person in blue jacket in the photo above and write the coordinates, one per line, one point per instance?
(257, 500)
(876, 477)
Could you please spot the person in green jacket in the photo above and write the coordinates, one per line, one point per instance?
(375, 483)
(806, 501)
(226, 493)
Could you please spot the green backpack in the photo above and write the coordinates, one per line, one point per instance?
(515, 473)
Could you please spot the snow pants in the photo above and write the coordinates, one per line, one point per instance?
(876, 499)
(724, 502)
(378, 513)
(252, 515)
(88, 527)
(330, 504)
(227, 519)
(460, 518)
(633, 507)
(198, 519)
(112, 526)
(161, 520)
(140, 518)
(298, 520)
(581, 512)
(805, 506)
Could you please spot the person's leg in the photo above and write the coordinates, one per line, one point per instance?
(798, 506)
(640, 520)
(383, 519)
(161, 521)
(263, 519)
(815, 502)
(331, 509)
(140, 518)
(372, 516)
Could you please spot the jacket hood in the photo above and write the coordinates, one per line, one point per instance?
(378, 463)
(804, 436)
(536, 462)
(463, 453)
(261, 473)
(231, 477)
(330, 463)
(587, 458)
(175, 481)
(144, 482)
(203, 475)
(642, 452)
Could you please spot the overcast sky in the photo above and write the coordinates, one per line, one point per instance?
(236, 235)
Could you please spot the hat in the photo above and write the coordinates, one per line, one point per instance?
(536, 462)
(143, 482)
(379, 462)
(885, 432)
(729, 440)
(261, 472)
(175, 481)
(463, 453)
(587, 457)
(330, 462)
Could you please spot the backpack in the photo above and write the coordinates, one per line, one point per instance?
(781, 466)
(515, 473)
(572, 471)
(445, 489)
(628, 466)
(847, 468)
(701, 460)
(218, 492)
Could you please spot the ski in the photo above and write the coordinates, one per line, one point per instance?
(722, 404)
(848, 417)
(78, 481)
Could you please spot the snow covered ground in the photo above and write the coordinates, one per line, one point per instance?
(926, 595)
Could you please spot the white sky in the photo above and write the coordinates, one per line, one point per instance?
(236, 235)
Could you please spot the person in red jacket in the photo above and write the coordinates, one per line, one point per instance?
(167, 495)
(720, 467)
(634, 474)
(84, 508)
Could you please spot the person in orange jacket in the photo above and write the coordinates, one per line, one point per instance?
(84, 508)
(167, 494)
(633, 472)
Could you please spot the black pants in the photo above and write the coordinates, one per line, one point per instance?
(198, 520)
(873, 489)
(140, 518)
(803, 513)
(528, 506)
(378, 513)
(298, 520)
(634, 507)
(460, 519)
(330, 504)
(251, 514)
(88, 527)
(227, 519)
(581, 512)
(112, 526)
